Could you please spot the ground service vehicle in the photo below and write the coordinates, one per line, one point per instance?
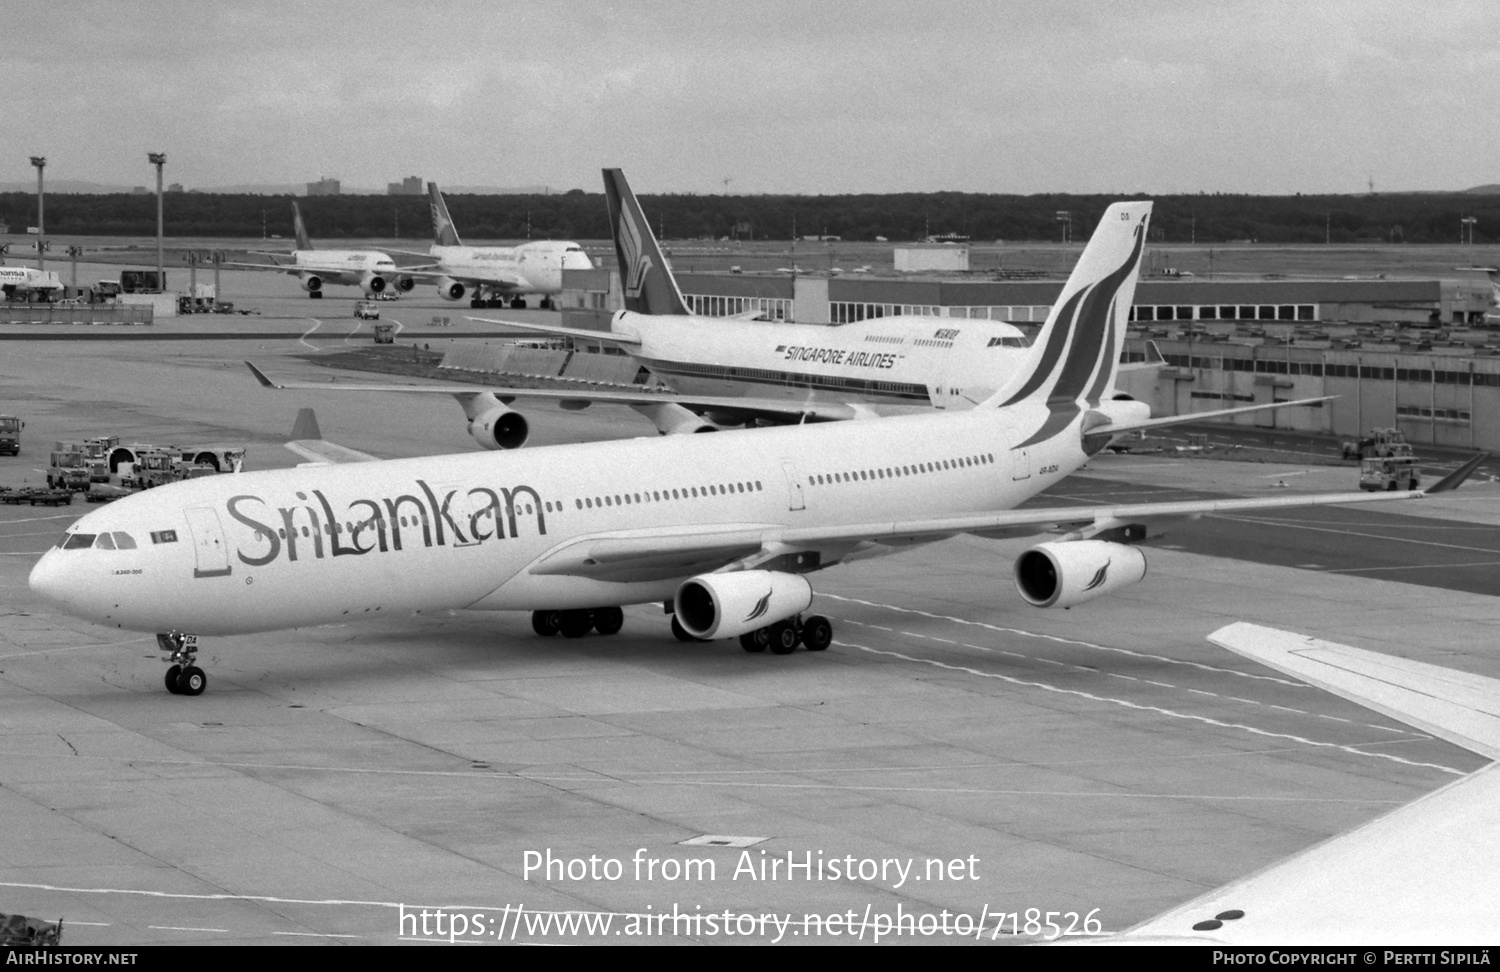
(1380, 442)
(1390, 472)
(96, 456)
(366, 310)
(154, 467)
(10, 434)
(68, 468)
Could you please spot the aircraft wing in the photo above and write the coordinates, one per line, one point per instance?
(1141, 425)
(1153, 360)
(776, 410)
(1422, 874)
(631, 555)
(603, 337)
(261, 266)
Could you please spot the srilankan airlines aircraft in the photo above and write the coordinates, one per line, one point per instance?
(493, 274)
(725, 530)
(371, 270)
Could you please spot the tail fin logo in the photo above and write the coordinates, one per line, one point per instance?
(633, 248)
(299, 229)
(443, 232)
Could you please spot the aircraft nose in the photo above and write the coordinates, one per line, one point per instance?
(49, 579)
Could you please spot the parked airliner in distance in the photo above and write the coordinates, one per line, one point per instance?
(733, 371)
(27, 279)
(491, 275)
(372, 271)
(723, 529)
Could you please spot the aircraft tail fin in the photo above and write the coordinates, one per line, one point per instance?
(300, 228)
(306, 425)
(443, 233)
(1076, 355)
(644, 272)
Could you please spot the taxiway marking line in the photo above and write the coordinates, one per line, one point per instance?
(181, 928)
(1137, 706)
(1300, 525)
(1055, 638)
(303, 339)
(1148, 681)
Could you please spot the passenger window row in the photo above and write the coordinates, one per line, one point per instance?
(893, 472)
(667, 495)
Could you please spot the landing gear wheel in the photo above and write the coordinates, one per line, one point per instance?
(608, 621)
(546, 623)
(476, 303)
(547, 304)
(755, 641)
(172, 674)
(575, 624)
(192, 681)
(679, 632)
(518, 303)
(783, 638)
(817, 633)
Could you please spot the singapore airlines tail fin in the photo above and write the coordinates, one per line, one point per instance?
(648, 283)
(300, 229)
(1075, 356)
(443, 233)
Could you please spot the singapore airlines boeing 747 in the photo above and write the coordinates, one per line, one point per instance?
(724, 529)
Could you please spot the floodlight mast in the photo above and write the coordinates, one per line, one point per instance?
(40, 161)
(158, 159)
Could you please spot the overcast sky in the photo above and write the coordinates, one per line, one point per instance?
(804, 96)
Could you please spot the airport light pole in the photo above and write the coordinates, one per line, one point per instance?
(158, 159)
(40, 161)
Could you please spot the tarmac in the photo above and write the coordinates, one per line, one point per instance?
(967, 757)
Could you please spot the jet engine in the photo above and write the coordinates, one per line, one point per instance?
(402, 284)
(312, 283)
(727, 605)
(499, 428)
(373, 283)
(672, 419)
(1062, 574)
(450, 289)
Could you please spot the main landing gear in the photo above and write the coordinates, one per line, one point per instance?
(783, 637)
(183, 676)
(579, 622)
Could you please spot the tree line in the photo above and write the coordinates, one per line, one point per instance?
(1202, 218)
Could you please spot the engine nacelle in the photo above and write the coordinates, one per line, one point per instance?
(402, 285)
(312, 283)
(729, 605)
(500, 428)
(672, 419)
(373, 283)
(1062, 574)
(450, 289)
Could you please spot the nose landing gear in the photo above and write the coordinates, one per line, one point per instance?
(183, 676)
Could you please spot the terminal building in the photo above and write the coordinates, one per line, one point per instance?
(1409, 354)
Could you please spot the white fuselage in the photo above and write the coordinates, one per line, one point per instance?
(529, 268)
(260, 551)
(915, 361)
(351, 268)
(26, 278)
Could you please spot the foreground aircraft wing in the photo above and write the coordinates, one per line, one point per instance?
(631, 555)
(1422, 874)
(778, 410)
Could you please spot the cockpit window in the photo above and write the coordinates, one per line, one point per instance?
(104, 542)
(124, 541)
(79, 541)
